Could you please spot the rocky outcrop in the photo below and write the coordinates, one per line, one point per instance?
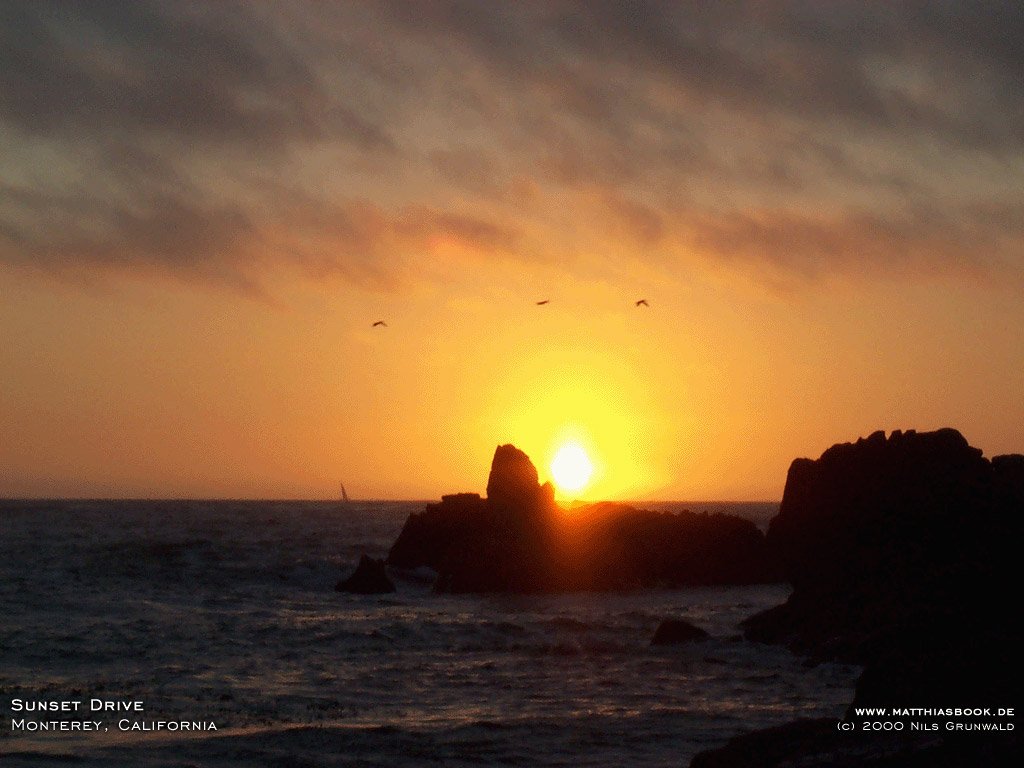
(513, 483)
(899, 550)
(519, 540)
(893, 542)
(369, 578)
(676, 631)
(817, 744)
(799, 742)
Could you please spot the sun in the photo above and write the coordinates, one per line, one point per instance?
(571, 468)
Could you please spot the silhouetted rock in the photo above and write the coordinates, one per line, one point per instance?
(886, 537)
(817, 744)
(513, 481)
(674, 631)
(369, 578)
(1009, 479)
(770, 747)
(519, 540)
(898, 550)
(427, 536)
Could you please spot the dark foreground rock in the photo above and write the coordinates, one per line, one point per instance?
(519, 540)
(899, 550)
(817, 744)
(676, 631)
(369, 578)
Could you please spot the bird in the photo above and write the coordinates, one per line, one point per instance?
(380, 323)
(642, 303)
(541, 303)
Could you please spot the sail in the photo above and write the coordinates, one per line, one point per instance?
(344, 496)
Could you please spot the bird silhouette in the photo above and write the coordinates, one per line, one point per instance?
(642, 303)
(380, 323)
(541, 303)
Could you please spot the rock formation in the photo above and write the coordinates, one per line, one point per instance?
(369, 578)
(815, 743)
(513, 482)
(519, 540)
(899, 550)
(896, 542)
(676, 631)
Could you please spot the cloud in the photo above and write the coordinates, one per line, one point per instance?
(978, 239)
(224, 142)
(199, 239)
(69, 67)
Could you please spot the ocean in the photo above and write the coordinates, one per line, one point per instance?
(225, 613)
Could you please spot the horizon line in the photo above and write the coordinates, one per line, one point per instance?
(328, 499)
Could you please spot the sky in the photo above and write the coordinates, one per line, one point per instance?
(205, 206)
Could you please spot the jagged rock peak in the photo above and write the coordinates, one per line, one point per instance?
(513, 480)
(369, 578)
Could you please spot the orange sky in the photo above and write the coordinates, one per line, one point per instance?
(197, 231)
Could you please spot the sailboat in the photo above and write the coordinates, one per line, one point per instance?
(344, 495)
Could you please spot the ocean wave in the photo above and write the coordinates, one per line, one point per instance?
(227, 611)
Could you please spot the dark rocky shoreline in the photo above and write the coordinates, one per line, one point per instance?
(899, 549)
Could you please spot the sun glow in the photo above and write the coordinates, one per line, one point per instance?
(571, 468)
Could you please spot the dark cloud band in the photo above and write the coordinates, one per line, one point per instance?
(351, 139)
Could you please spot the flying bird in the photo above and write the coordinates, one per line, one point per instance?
(380, 323)
(541, 303)
(642, 303)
